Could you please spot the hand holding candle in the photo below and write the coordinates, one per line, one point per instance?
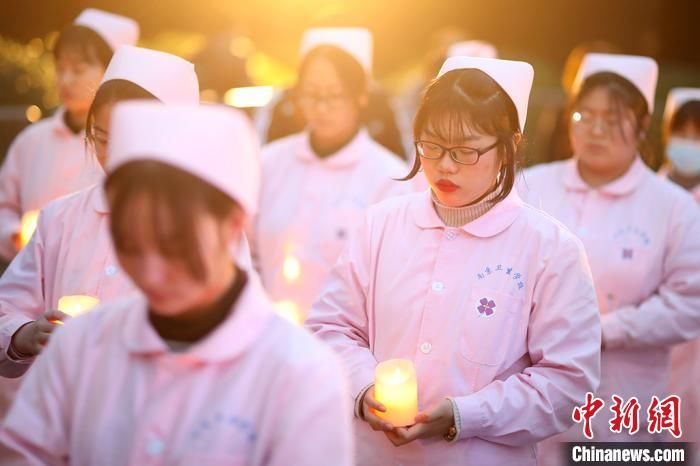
(396, 387)
(77, 304)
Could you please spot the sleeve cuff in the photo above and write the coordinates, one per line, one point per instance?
(9, 328)
(472, 418)
(613, 333)
(457, 418)
(358, 400)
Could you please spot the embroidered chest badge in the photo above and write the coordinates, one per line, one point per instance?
(486, 307)
(628, 253)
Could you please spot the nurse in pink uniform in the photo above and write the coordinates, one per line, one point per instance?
(71, 252)
(317, 184)
(47, 160)
(490, 298)
(641, 233)
(682, 131)
(198, 369)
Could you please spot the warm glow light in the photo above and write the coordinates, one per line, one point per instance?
(249, 97)
(33, 113)
(576, 116)
(396, 387)
(29, 220)
(290, 310)
(77, 304)
(291, 269)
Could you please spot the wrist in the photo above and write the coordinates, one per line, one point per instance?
(16, 348)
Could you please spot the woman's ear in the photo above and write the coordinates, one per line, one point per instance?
(233, 224)
(517, 137)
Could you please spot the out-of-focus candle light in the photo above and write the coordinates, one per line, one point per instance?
(291, 269)
(77, 304)
(290, 310)
(27, 227)
(249, 97)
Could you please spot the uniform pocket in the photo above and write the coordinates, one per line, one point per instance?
(488, 325)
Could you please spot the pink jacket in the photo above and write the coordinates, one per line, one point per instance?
(642, 238)
(410, 287)
(45, 161)
(685, 378)
(70, 253)
(309, 206)
(256, 391)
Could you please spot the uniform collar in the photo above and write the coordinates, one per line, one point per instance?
(59, 124)
(245, 325)
(98, 198)
(493, 222)
(619, 187)
(348, 155)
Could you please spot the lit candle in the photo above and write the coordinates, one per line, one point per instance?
(291, 269)
(28, 226)
(396, 387)
(290, 310)
(77, 304)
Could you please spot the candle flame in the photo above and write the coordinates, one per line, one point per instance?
(29, 221)
(291, 269)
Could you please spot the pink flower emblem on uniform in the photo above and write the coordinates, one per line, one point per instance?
(486, 307)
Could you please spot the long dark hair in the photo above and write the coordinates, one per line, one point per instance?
(470, 99)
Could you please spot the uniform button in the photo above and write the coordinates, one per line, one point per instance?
(426, 347)
(450, 234)
(110, 270)
(438, 286)
(155, 447)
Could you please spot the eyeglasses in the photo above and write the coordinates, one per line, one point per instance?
(308, 99)
(583, 119)
(463, 155)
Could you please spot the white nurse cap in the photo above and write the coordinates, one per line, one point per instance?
(677, 97)
(357, 42)
(116, 30)
(514, 77)
(168, 77)
(214, 143)
(641, 72)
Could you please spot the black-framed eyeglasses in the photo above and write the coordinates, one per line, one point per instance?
(309, 99)
(463, 155)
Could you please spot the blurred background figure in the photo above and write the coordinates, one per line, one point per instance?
(317, 183)
(553, 124)
(47, 160)
(682, 137)
(283, 116)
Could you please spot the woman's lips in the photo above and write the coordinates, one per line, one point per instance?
(446, 186)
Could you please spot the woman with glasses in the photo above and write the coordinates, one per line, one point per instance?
(317, 184)
(490, 299)
(641, 233)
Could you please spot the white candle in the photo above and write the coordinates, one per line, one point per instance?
(396, 387)
(28, 225)
(77, 304)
